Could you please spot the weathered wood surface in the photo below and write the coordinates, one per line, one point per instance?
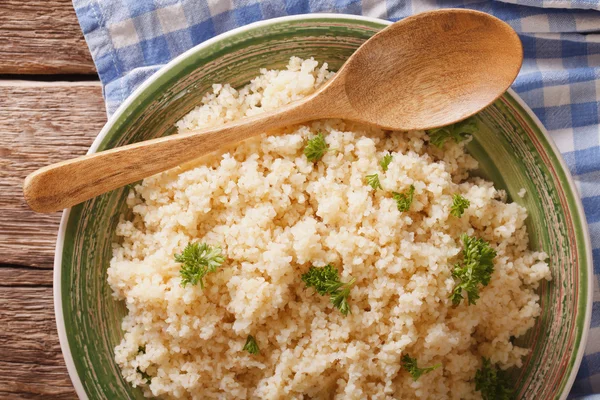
(40, 123)
(31, 365)
(42, 37)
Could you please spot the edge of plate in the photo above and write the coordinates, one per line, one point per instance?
(586, 238)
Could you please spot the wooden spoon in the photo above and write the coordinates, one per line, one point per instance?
(425, 71)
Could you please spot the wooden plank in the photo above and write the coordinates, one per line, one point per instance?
(31, 365)
(40, 123)
(24, 276)
(42, 37)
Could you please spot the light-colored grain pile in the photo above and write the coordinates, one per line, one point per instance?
(275, 214)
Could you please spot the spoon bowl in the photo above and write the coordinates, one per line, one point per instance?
(431, 70)
(405, 77)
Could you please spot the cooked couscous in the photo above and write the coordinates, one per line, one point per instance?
(254, 327)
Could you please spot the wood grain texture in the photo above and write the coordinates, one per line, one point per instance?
(40, 123)
(42, 37)
(31, 365)
(21, 276)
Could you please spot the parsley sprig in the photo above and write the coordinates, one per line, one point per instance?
(373, 181)
(404, 199)
(492, 383)
(457, 132)
(410, 364)
(459, 205)
(326, 280)
(251, 346)
(385, 162)
(316, 147)
(477, 268)
(197, 260)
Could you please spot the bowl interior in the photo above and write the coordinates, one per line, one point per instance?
(512, 150)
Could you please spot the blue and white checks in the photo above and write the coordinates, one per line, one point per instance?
(560, 78)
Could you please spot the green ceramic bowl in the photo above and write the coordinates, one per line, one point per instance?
(513, 149)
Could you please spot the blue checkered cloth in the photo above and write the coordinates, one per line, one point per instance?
(560, 79)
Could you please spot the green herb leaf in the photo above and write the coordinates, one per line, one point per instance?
(410, 364)
(325, 280)
(373, 181)
(198, 260)
(385, 161)
(144, 375)
(459, 205)
(457, 132)
(316, 147)
(404, 199)
(492, 383)
(339, 298)
(477, 268)
(251, 346)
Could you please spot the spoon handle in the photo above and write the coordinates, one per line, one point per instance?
(70, 182)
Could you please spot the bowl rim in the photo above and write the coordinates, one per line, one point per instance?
(57, 290)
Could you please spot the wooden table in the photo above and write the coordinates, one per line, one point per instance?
(51, 109)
